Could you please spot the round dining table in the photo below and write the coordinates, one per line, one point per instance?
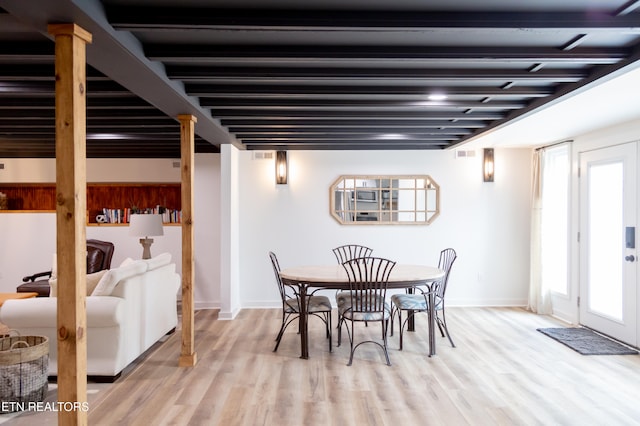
(335, 277)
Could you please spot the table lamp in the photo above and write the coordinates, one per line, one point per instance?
(146, 225)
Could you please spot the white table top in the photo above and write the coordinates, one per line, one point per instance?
(336, 275)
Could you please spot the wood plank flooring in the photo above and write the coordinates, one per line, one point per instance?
(502, 372)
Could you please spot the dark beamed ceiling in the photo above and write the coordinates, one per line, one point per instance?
(312, 74)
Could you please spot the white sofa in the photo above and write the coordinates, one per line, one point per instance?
(122, 323)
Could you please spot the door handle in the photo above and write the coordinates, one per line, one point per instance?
(630, 258)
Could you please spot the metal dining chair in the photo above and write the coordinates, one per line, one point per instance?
(344, 253)
(419, 302)
(319, 306)
(368, 279)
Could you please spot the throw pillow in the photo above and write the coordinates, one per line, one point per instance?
(92, 282)
(109, 280)
(54, 267)
(53, 287)
(158, 261)
(127, 261)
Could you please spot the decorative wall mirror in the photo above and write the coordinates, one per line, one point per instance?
(384, 200)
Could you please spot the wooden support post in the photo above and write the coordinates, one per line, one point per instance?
(71, 201)
(188, 356)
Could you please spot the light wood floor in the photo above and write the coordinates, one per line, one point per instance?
(503, 372)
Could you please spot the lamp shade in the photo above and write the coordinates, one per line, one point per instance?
(145, 225)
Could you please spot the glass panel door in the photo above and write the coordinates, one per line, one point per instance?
(607, 254)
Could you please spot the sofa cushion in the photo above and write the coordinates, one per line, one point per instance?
(158, 261)
(92, 282)
(109, 281)
(40, 313)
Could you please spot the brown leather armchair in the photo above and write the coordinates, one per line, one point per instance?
(99, 254)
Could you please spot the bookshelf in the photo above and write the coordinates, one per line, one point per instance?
(113, 196)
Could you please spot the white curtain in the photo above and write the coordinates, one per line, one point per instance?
(539, 296)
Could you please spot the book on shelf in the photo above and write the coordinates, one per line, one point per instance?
(123, 215)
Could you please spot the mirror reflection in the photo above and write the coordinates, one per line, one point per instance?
(385, 200)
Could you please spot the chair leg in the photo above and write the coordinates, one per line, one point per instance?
(351, 337)
(393, 312)
(329, 330)
(351, 333)
(400, 326)
(283, 327)
(439, 322)
(279, 337)
(446, 329)
(385, 327)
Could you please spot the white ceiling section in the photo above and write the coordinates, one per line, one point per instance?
(605, 104)
(322, 74)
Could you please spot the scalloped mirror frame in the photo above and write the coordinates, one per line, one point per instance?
(378, 202)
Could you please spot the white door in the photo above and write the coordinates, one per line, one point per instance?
(607, 241)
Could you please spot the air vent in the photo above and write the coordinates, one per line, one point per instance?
(263, 155)
(465, 153)
(176, 164)
(1, 166)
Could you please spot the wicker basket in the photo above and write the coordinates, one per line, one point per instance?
(24, 368)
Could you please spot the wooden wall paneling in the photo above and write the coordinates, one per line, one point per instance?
(42, 196)
(30, 196)
(120, 196)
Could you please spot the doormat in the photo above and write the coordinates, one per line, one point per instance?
(586, 342)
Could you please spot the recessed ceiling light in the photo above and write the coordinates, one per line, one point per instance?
(437, 97)
(105, 136)
(392, 136)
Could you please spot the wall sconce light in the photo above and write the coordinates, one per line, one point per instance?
(281, 167)
(488, 165)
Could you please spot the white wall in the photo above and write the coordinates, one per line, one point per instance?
(43, 170)
(27, 240)
(487, 223)
(27, 243)
(207, 231)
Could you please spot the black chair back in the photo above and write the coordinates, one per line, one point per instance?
(351, 251)
(276, 271)
(368, 279)
(447, 257)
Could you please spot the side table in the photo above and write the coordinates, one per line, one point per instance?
(4, 330)
(6, 296)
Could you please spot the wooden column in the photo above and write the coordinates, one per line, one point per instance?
(188, 356)
(71, 201)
